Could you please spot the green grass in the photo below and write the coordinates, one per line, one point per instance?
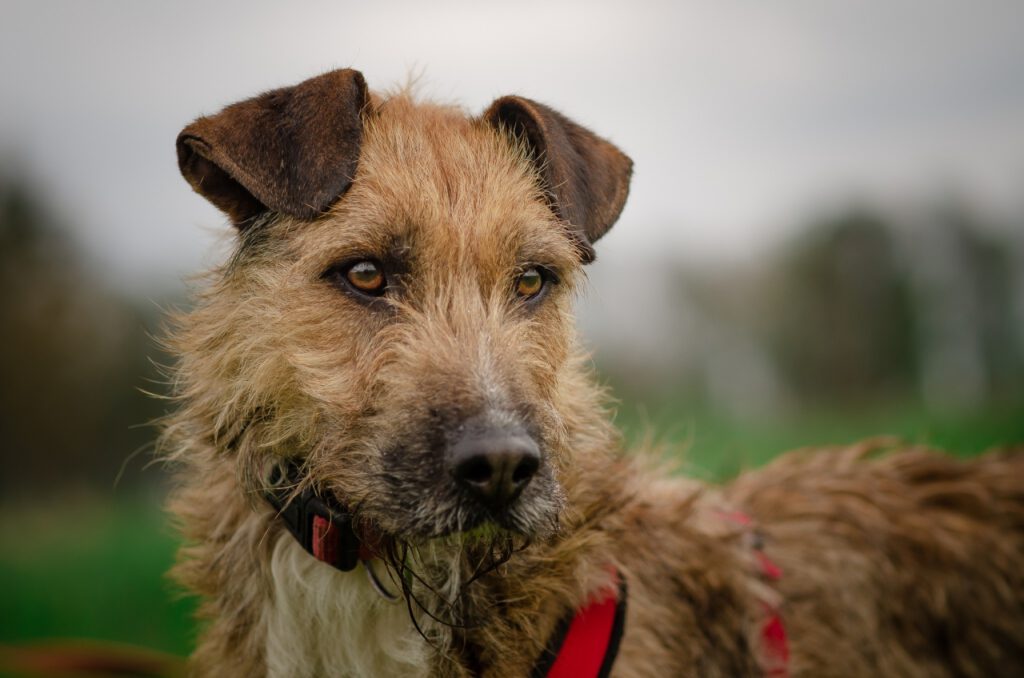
(78, 569)
(715, 447)
(81, 570)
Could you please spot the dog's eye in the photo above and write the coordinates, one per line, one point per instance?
(366, 277)
(530, 283)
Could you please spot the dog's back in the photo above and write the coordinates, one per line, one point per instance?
(908, 564)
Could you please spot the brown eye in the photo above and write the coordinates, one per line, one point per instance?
(366, 277)
(530, 283)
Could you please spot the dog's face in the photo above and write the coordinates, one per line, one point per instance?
(397, 313)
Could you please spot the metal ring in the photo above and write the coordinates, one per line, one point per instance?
(377, 585)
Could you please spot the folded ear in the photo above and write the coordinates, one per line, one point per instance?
(292, 150)
(586, 177)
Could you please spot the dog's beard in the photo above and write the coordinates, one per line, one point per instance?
(435, 549)
(435, 578)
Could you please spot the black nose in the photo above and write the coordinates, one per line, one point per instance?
(495, 467)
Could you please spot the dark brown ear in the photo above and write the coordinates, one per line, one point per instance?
(586, 177)
(292, 150)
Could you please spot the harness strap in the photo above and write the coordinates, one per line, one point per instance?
(774, 640)
(586, 642)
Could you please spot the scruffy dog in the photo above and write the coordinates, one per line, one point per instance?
(394, 461)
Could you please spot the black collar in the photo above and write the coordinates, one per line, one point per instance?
(320, 524)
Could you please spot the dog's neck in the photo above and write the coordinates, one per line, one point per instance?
(273, 605)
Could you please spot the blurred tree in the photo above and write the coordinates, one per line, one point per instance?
(862, 306)
(964, 295)
(843, 319)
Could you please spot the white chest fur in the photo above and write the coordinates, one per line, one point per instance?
(326, 623)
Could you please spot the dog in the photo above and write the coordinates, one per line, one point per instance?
(392, 458)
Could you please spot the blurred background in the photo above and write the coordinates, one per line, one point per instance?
(824, 239)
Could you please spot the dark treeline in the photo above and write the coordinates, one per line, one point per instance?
(862, 306)
(74, 359)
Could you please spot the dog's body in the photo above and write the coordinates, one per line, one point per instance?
(397, 320)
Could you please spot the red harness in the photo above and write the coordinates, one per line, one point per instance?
(585, 643)
(774, 641)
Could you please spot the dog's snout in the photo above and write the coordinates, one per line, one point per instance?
(495, 467)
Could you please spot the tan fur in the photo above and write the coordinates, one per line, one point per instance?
(910, 564)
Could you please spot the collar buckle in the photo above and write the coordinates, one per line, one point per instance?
(320, 524)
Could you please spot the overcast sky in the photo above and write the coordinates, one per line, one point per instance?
(740, 116)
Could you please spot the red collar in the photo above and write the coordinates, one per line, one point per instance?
(586, 643)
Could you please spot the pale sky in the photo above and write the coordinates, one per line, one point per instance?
(741, 117)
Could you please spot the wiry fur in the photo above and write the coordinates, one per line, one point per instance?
(311, 603)
(911, 564)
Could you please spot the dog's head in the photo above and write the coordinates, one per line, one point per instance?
(397, 310)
